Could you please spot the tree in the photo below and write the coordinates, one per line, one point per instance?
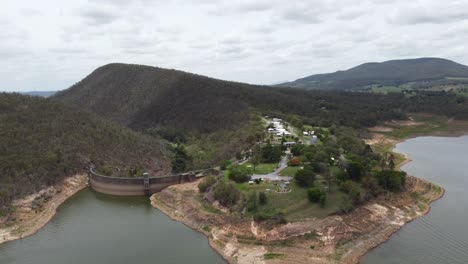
(346, 205)
(252, 202)
(206, 183)
(271, 153)
(226, 194)
(256, 158)
(239, 173)
(314, 194)
(391, 163)
(298, 150)
(323, 199)
(392, 180)
(262, 198)
(181, 160)
(342, 175)
(225, 164)
(355, 171)
(353, 190)
(305, 177)
(294, 162)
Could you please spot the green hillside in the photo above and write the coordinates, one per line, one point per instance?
(42, 141)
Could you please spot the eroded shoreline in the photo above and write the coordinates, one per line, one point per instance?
(29, 217)
(336, 238)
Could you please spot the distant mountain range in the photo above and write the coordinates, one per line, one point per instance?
(388, 73)
(41, 93)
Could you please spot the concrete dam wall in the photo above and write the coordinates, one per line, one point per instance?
(141, 185)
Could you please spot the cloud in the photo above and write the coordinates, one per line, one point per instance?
(96, 17)
(434, 13)
(262, 41)
(65, 50)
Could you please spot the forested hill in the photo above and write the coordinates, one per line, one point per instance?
(42, 141)
(145, 97)
(142, 96)
(388, 73)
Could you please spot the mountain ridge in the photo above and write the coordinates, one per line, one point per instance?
(392, 72)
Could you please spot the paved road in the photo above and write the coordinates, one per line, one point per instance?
(275, 174)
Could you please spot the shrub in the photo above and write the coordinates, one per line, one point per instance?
(225, 164)
(260, 217)
(252, 202)
(323, 199)
(346, 205)
(239, 173)
(353, 190)
(206, 183)
(262, 198)
(305, 177)
(342, 175)
(314, 195)
(298, 150)
(294, 162)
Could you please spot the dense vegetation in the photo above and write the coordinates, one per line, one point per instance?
(144, 97)
(426, 71)
(42, 141)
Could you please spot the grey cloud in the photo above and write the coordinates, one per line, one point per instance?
(67, 50)
(96, 17)
(442, 12)
(260, 41)
(301, 15)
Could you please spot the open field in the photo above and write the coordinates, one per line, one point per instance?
(262, 168)
(294, 204)
(290, 171)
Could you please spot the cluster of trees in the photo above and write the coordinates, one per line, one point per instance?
(267, 153)
(344, 159)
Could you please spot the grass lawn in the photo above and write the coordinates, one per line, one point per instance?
(295, 204)
(263, 168)
(290, 171)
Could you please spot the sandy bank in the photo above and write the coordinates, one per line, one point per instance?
(36, 210)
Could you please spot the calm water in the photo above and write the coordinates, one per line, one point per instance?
(96, 228)
(441, 237)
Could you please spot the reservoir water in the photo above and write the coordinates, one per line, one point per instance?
(96, 228)
(441, 237)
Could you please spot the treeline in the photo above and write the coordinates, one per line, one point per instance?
(42, 141)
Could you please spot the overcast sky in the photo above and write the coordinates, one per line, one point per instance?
(51, 44)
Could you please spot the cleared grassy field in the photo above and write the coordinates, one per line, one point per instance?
(263, 168)
(290, 171)
(295, 204)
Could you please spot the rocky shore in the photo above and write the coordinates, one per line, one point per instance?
(34, 211)
(334, 239)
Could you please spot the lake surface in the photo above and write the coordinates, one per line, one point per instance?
(441, 237)
(96, 228)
